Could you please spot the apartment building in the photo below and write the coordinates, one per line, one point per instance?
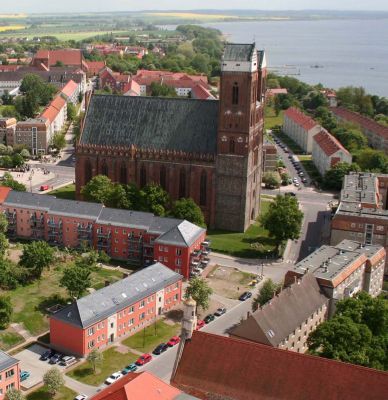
(9, 374)
(34, 133)
(70, 92)
(362, 214)
(343, 270)
(7, 130)
(138, 238)
(56, 115)
(328, 151)
(270, 157)
(286, 320)
(115, 311)
(300, 128)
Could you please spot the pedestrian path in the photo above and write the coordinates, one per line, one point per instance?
(21, 331)
(79, 387)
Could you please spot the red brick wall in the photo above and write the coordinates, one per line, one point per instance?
(14, 379)
(66, 337)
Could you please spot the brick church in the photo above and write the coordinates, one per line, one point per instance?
(209, 150)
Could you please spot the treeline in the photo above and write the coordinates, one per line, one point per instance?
(151, 198)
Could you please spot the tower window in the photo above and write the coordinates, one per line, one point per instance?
(202, 189)
(143, 176)
(162, 177)
(235, 94)
(123, 173)
(182, 183)
(232, 145)
(104, 168)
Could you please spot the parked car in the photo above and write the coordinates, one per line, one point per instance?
(113, 378)
(144, 359)
(209, 318)
(173, 341)
(44, 187)
(47, 355)
(200, 324)
(301, 173)
(160, 349)
(304, 180)
(24, 375)
(81, 397)
(129, 368)
(296, 184)
(245, 296)
(220, 311)
(290, 194)
(55, 358)
(67, 360)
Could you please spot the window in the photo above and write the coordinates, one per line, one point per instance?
(232, 146)
(141, 316)
(131, 322)
(176, 297)
(178, 262)
(10, 386)
(91, 344)
(160, 248)
(178, 252)
(203, 189)
(142, 304)
(104, 168)
(162, 177)
(143, 176)
(235, 93)
(182, 183)
(161, 258)
(165, 259)
(9, 373)
(123, 173)
(90, 331)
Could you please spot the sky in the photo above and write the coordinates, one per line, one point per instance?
(38, 6)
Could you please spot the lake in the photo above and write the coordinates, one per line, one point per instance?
(333, 52)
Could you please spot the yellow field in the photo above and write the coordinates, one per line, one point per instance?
(4, 16)
(11, 28)
(190, 15)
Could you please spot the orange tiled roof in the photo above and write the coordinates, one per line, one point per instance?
(300, 118)
(53, 109)
(66, 56)
(328, 143)
(69, 88)
(213, 365)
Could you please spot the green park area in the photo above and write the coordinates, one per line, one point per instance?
(253, 243)
(65, 192)
(43, 394)
(271, 119)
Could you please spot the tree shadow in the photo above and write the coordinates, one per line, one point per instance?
(47, 303)
(174, 315)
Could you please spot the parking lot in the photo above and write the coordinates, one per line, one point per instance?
(29, 361)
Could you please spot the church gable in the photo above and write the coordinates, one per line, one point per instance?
(152, 123)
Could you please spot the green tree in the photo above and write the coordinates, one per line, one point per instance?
(334, 176)
(314, 100)
(25, 153)
(3, 244)
(271, 179)
(372, 160)
(162, 90)
(118, 197)
(76, 280)
(71, 112)
(12, 183)
(3, 223)
(59, 141)
(95, 358)
(17, 160)
(98, 189)
(200, 291)
(266, 293)
(5, 311)
(350, 137)
(187, 209)
(36, 257)
(153, 198)
(14, 394)
(283, 219)
(53, 380)
(9, 278)
(285, 178)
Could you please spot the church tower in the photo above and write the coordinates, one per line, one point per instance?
(240, 136)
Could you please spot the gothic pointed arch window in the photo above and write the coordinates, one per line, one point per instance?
(163, 177)
(143, 176)
(203, 189)
(235, 93)
(232, 146)
(104, 168)
(87, 170)
(182, 183)
(123, 173)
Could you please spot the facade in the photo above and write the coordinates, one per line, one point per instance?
(113, 80)
(362, 214)
(217, 367)
(115, 311)
(376, 133)
(328, 151)
(343, 270)
(70, 92)
(136, 237)
(9, 374)
(210, 151)
(270, 158)
(7, 130)
(56, 115)
(286, 321)
(300, 128)
(131, 89)
(35, 134)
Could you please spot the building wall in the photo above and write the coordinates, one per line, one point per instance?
(304, 138)
(9, 378)
(323, 162)
(297, 340)
(23, 135)
(66, 337)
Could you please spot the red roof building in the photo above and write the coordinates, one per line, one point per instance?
(328, 151)
(376, 133)
(70, 92)
(213, 367)
(276, 91)
(67, 57)
(131, 88)
(300, 128)
(95, 67)
(140, 387)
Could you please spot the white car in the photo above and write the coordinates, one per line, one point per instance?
(81, 397)
(113, 378)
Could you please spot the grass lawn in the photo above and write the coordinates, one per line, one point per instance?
(9, 338)
(42, 394)
(294, 147)
(311, 169)
(163, 333)
(31, 301)
(254, 243)
(271, 119)
(305, 157)
(65, 192)
(113, 361)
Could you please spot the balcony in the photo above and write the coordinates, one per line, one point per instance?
(102, 235)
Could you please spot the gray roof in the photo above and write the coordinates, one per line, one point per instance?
(238, 52)
(28, 200)
(73, 208)
(183, 234)
(360, 188)
(6, 361)
(140, 220)
(283, 314)
(354, 210)
(152, 123)
(104, 302)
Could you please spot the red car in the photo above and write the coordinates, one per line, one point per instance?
(200, 324)
(44, 187)
(173, 341)
(144, 359)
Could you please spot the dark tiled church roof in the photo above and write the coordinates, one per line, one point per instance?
(152, 123)
(238, 52)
